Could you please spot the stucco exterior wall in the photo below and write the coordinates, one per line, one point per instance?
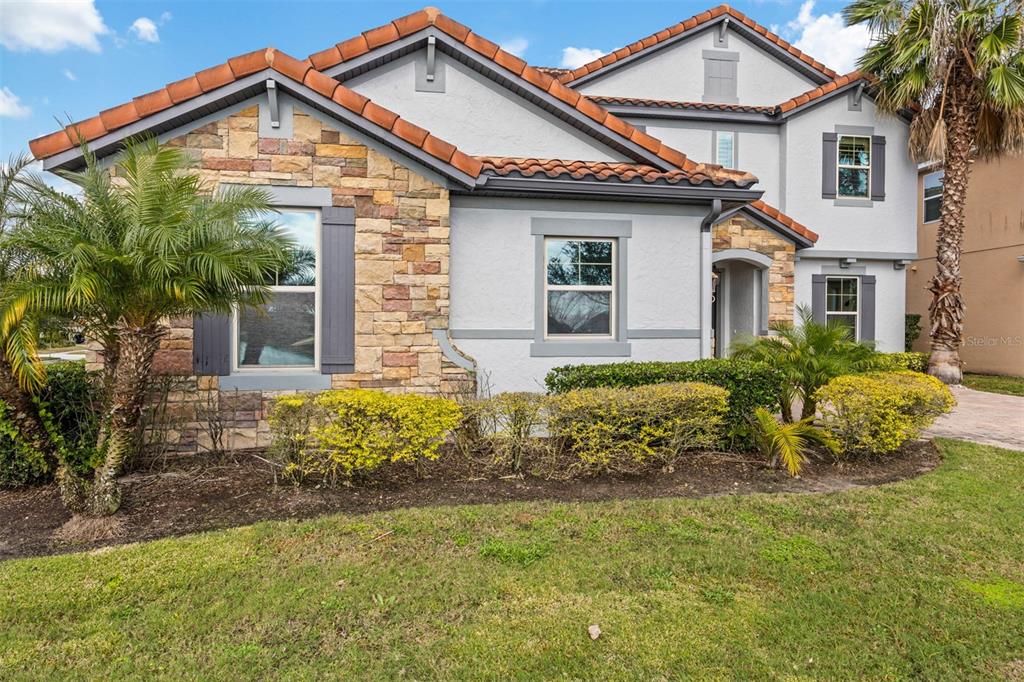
(677, 73)
(494, 274)
(476, 114)
(993, 278)
(884, 227)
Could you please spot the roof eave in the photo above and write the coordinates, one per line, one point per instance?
(649, 192)
(770, 223)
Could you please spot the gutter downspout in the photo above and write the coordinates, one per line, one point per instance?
(705, 277)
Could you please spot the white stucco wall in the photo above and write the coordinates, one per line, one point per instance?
(493, 278)
(886, 226)
(476, 114)
(757, 146)
(677, 73)
(890, 293)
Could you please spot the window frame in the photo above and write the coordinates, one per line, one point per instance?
(733, 162)
(925, 198)
(855, 314)
(840, 165)
(610, 288)
(316, 289)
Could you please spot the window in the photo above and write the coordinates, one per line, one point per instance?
(282, 333)
(579, 296)
(933, 196)
(725, 148)
(842, 302)
(854, 167)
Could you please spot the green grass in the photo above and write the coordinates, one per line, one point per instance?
(995, 383)
(922, 579)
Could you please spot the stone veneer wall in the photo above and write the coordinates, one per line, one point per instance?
(740, 233)
(402, 259)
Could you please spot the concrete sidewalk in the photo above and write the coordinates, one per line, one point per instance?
(987, 418)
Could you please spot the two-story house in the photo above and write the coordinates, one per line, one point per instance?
(473, 215)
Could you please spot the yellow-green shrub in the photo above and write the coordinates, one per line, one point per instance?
(876, 413)
(624, 429)
(504, 427)
(336, 434)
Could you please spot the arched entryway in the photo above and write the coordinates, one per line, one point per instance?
(740, 307)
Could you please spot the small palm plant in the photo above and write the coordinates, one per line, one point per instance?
(786, 444)
(134, 250)
(809, 355)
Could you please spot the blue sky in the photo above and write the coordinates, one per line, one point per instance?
(73, 59)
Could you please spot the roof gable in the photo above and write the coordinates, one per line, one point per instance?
(735, 20)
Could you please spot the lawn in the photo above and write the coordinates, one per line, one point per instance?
(918, 579)
(995, 383)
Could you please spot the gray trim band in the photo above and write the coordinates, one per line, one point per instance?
(861, 131)
(526, 334)
(664, 334)
(274, 381)
(859, 255)
(852, 202)
(562, 227)
(721, 55)
(579, 349)
(450, 352)
(746, 255)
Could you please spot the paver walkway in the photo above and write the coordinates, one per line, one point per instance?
(987, 418)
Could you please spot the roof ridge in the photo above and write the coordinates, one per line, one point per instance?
(686, 25)
(238, 67)
(431, 16)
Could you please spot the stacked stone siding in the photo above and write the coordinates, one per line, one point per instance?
(740, 233)
(401, 266)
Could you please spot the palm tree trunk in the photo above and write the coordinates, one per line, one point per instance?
(947, 306)
(137, 347)
(23, 411)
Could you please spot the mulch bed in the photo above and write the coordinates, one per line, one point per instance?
(190, 495)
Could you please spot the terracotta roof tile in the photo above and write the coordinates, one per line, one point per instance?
(604, 170)
(781, 217)
(188, 88)
(693, 22)
(820, 91)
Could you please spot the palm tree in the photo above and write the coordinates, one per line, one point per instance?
(20, 369)
(136, 249)
(959, 64)
(809, 355)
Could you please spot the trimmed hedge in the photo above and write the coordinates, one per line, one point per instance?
(877, 412)
(894, 362)
(750, 384)
(623, 430)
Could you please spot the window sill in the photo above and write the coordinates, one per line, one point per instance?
(299, 380)
(579, 349)
(851, 202)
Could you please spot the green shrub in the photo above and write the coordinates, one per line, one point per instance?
(876, 413)
(70, 410)
(750, 384)
(626, 429)
(336, 434)
(894, 362)
(911, 331)
(786, 444)
(19, 463)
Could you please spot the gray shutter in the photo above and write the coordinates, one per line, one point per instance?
(828, 165)
(211, 344)
(338, 291)
(867, 308)
(818, 298)
(877, 168)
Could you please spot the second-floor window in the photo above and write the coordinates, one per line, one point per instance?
(854, 167)
(933, 196)
(725, 148)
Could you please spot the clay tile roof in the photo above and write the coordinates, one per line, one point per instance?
(820, 91)
(671, 104)
(781, 217)
(539, 77)
(235, 68)
(610, 171)
(693, 22)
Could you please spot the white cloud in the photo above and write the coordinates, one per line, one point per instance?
(827, 38)
(69, 74)
(11, 106)
(516, 46)
(165, 17)
(144, 29)
(575, 57)
(51, 26)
